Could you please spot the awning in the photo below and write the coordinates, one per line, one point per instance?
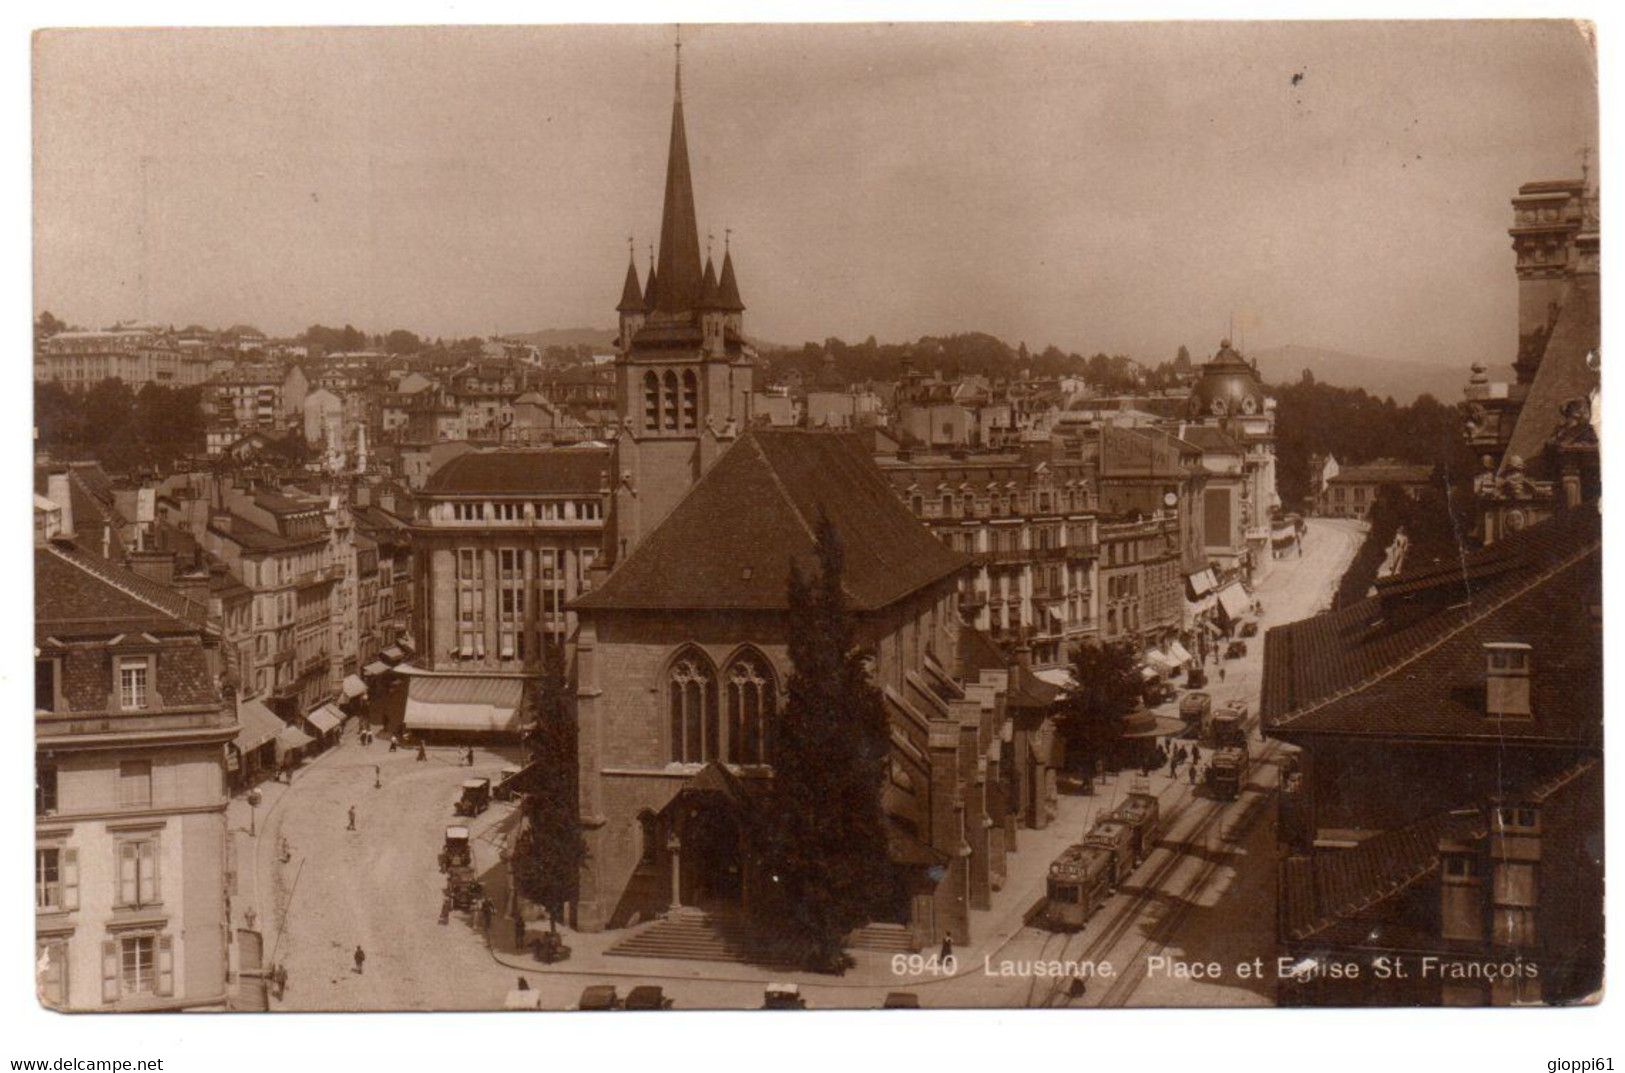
(393, 653)
(353, 687)
(1202, 582)
(290, 739)
(1233, 601)
(1055, 613)
(1149, 673)
(1177, 651)
(463, 703)
(376, 667)
(1055, 676)
(257, 725)
(1158, 660)
(325, 719)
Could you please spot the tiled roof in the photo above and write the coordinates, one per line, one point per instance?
(1210, 439)
(547, 471)
(1384, 471)
(250, 537)
(1409, 662)
(729, 542)
(75, 591)
(1563, 375)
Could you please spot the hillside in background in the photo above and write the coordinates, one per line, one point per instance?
(567, 337)
(1382, 377)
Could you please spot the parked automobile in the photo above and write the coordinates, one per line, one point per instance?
(1235, 650)
(476, 797)
(598, 997)
(505, 788)
(1249, 628)
(901, 1000)
(783, 997)
(647, 997)
(456, 852)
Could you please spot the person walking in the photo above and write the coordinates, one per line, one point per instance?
(351, 826)
(445, 909)
(1221, 674)
(360, 960)
(279, 977)
(1193, 773)
(947, 945)
(1173, 764)
(394, 743)
(377, 777)
(423, 754)
(470, 761)
(519, 932)
(486, 909)
(524, 984)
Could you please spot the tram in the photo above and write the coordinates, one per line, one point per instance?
(1079, 881)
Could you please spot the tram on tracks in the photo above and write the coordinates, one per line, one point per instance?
(1079, 882)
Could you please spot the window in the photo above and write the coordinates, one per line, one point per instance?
(1459, 867)
(52, 956)
(44, 788)
(691, 400)
(651, 401)
(135, 783)
(137, 965)
(692, 702)
(132, 682)
(1517, 818)
(752, 699)
(45, 671)
(56, 879)
(138, 872)
(668, 401)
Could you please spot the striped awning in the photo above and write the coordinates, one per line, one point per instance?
(257, 725)
(1234, 601)
(468, 703)
(325, 719)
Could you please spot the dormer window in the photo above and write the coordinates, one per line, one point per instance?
(1506, 683)
(132, 682)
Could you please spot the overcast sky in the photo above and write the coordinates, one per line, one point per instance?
(1119, 187)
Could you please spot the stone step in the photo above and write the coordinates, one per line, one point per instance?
(884, 938)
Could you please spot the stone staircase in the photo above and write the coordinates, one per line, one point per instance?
(883, 938)
(695, 935)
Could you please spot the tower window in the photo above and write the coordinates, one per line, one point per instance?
(651, 401)
(691, 400)
(669, 401)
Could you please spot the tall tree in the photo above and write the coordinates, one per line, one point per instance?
(824, 830)
(1106, 688)
(550, 849)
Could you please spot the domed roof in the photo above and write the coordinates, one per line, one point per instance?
(1228, 386)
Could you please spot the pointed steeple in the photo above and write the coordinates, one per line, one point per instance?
(728, 288)
(651, 293)
(708, 286)
(631, 291)
(681, 281)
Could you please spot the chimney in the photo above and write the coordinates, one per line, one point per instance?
(156, 566)
(1506, 682)
(59, 491)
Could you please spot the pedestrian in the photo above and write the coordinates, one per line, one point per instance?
(524, 984)
(423, 754)
(279, 976)
(471, 756)
(377, 777)
(360, 960)
(445, 909)
(947, 945)
(1221, 674)
(1173, 765)
(519, 932)
(486, 909)
(1193, 773)
(351, 827)
(394, 743)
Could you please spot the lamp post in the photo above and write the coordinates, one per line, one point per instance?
(254, 799)
(674, 846)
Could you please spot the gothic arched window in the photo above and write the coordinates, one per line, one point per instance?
(691, 400)
(651, 401)
(752, 700)
(648, 837)
(670, 401)
(692, 705)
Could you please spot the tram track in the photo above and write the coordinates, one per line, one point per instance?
(1147, 892)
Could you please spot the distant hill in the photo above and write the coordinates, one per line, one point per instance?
(1404, 380)
(593, 337)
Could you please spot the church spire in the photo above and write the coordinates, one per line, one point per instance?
(728, 288)
(680, 278)
(631, 290)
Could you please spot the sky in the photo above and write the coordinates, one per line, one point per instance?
(1121, 187)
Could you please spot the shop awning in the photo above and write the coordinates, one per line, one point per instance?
(353, 687)
(1160, 662)
(376, 667)
(463, 703)
(393, 653)
(1233, 601)
(1055, 676)
(1148, 672)
(1202, 582)
(325, 719)
(290, 739)
(1177, 651)
(257, 725)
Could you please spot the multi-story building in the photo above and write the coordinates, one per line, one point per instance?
(1353, 490)
(502, 540)
(1026, 518)
(1229, 395)
(1142, 579)
(263, 395)
(130, 860)
(137, 356)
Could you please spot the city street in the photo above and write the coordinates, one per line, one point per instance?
(1206, 894)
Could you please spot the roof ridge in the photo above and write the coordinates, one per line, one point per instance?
(127, 589)
(1449, 634)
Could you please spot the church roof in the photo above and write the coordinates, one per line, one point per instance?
(728, 288)
(509, 471)
(708, 286)
(680, 281)
(729, 542)
(631, 293)
(1563, 375)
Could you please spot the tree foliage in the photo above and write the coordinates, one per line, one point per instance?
(1106, 688)
(120, 428)
(550, 849)
(823, 828)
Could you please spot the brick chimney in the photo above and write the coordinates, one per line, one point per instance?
(59, 490)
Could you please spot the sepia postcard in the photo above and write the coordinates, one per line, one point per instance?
(850, 516)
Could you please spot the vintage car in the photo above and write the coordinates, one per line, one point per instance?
(1235, 650)
(506, 787)
(457, 852)
(476, 797)
(779, 996)
(647, 997)
(598, 997)
(1249, 628)
(901, 1000)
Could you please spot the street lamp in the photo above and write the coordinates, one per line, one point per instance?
(254, 800)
